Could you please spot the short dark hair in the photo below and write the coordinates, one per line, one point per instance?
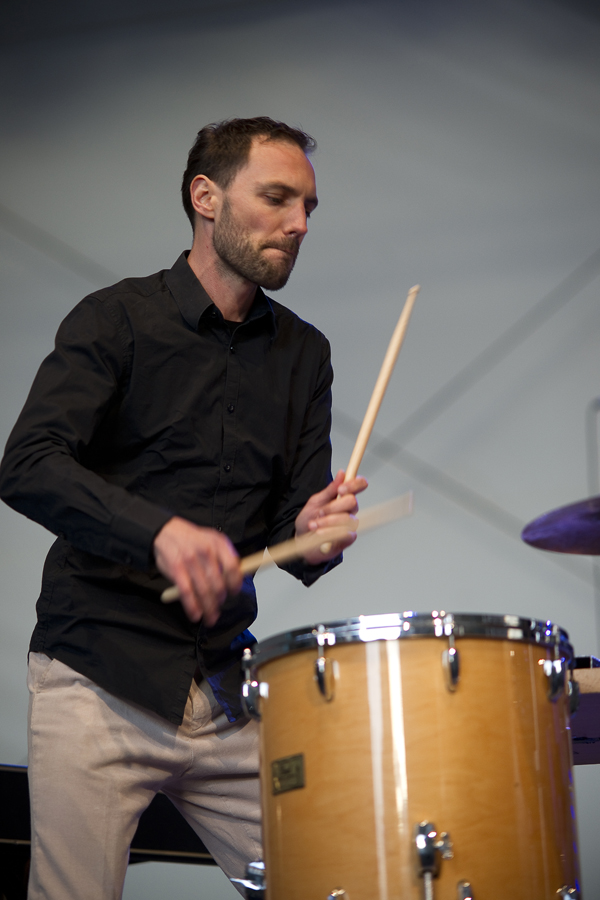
(222, 149)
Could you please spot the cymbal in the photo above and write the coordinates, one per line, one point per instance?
(570, 529)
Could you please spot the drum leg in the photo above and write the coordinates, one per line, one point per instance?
(429, 848)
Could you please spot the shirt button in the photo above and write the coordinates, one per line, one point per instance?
(232, 349)
(230, 408)
(228, 468)
(219, 528)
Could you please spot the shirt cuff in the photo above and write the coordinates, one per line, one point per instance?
(133, 530)
(307, 573)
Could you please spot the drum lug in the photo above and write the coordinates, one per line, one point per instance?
(250, 695)
(568, 893)
(254, 883)
(323, 679)
(463, 891)
(451, 664)
(430, 847)
(326, 672)
(555, 670)
(324, 668)
(251, 689)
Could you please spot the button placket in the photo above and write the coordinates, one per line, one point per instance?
(230, 440)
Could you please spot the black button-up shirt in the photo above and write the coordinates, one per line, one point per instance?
(151, 405)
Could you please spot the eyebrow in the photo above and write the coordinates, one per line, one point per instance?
(281, 186)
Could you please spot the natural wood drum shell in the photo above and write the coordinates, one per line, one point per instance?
(490, 763)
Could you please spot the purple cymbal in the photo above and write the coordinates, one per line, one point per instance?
(569, 529)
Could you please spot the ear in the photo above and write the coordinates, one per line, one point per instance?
(204, 195)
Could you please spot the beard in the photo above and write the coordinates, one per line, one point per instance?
(239, 255)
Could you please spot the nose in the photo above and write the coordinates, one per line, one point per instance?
(297, 221)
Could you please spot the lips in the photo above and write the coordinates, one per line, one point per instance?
(291, 248)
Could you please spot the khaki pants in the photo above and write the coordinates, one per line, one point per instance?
(96, 762)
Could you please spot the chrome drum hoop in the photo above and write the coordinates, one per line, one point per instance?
(410, 625)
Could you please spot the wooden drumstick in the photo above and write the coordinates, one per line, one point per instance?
(389, 361)
(297, 547)
(381, 384)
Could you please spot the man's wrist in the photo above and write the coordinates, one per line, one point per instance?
(134, 530)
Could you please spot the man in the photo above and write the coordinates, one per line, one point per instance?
(181, 422)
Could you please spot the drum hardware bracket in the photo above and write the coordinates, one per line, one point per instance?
(464, 891)
(430, 847)
(251, 689)
(568, 893)
(574, 695)
(555, 670)
(254, 883)
(322, 664)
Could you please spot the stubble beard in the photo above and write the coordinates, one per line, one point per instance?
(238, 255)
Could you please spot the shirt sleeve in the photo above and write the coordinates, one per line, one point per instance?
(45, 473)
(311, 470)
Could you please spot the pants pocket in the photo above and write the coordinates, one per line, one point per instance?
(37, 671)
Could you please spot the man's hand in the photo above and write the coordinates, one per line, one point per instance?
(202, 563)
(335, 505)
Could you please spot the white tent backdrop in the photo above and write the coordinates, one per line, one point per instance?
(459, 146)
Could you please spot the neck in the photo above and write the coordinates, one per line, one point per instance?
(231, 294)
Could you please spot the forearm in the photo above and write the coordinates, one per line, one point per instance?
(50, 487)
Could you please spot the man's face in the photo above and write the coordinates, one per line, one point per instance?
(263, 216)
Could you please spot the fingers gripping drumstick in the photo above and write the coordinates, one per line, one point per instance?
(374, 517)
(279, 553)
(389, 361)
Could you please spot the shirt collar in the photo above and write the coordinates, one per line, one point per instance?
(193, 301)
